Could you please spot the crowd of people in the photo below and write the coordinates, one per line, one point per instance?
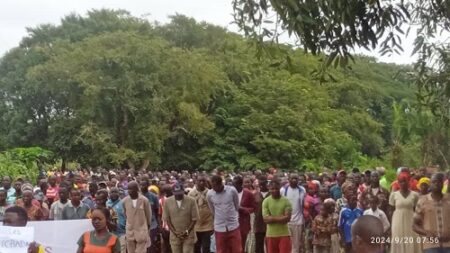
(138, 211)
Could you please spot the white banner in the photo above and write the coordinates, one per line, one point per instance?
(59, 236)
(15, 239)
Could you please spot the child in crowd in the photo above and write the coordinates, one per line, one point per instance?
(346, 218)
(323, 226)
(377, 212)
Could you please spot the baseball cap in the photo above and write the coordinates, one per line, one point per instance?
(178, 188)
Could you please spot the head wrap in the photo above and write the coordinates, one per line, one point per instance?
(423, 180)
(403, 175)
(154, 189)
(312, 186)
(26, 187)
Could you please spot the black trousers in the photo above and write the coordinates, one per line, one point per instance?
(203, 243)
(259, 242)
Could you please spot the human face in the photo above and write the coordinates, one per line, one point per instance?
(341, 178)
(114, 194)
(100, 199)
(75, 196)
(98, 220)
(237, 183)
(312, 191)
(13, 220)
(357, 178)
(263, 185)
(78, 180)
(375, 178)
(351, 178)
(323, 193)
(349, 191)
(248, 183)
(52, 181)
(403, 183)
(274, 191)
(179, 195)
(27, 197)
(201, 183)
(293, 180)
(424, 188)
(352, 200)
(217, 186)
(133, 190)
(6, 183)
(2, 197)
(93, 188)
(373, 202)
(17, 186)
(436, 185)
(144, 186)
(63, 194)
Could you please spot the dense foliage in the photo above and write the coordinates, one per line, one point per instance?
(110, 89)
(333, 28)
(24, 162)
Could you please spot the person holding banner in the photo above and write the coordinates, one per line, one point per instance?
(100, 240)
(17, 216)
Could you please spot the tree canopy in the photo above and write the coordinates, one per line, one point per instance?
(114, 90)
(332, 29)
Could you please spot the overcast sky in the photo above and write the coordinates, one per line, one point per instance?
(16, 15)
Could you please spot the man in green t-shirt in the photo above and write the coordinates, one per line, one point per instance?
(276, 211)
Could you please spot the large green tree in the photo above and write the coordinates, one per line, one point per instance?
(113, 90)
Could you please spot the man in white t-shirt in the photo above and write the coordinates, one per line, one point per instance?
(296, 195)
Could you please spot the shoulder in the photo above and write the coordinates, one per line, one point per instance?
(54, 204)
(143, 198)
(231, 189)
(189, 199)
(285, 201)
(193, 192)
(170, 200)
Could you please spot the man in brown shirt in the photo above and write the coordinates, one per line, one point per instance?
(204, 227)
(138, 218)
(432, 218)
(181, 214)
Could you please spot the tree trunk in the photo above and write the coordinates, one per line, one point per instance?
(63, 165)
(145, 164)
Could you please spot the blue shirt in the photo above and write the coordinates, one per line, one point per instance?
(336, 192)
(154, 205)
(89, 201)
(121, 220)
(346, 219)
(225, 208)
